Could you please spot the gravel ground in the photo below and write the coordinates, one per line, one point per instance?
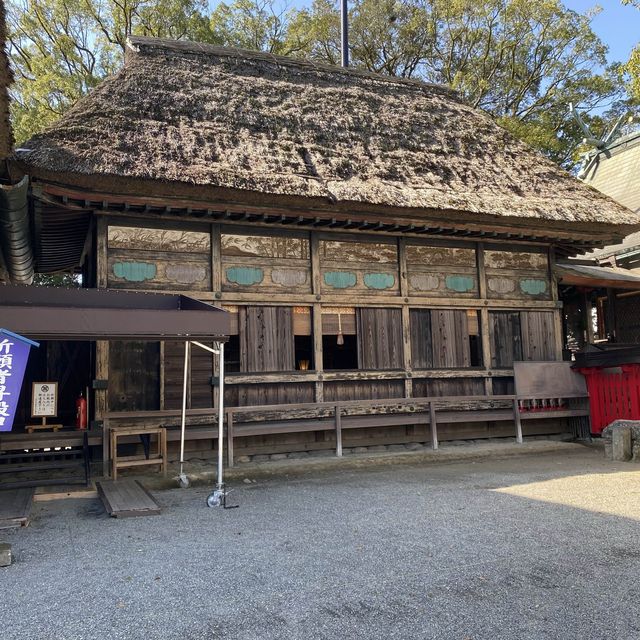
(542, 546)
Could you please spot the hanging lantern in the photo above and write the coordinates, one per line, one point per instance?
(340, 340)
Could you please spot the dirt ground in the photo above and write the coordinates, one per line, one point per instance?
(538, 546)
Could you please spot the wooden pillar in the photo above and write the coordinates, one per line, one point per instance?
(216, 262)
(406, 324)
(610, 321)
(485, 339)
(316, 287)
(586, 303)
(100, 399)
(557, 314)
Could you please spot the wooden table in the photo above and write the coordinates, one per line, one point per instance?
(158, 458)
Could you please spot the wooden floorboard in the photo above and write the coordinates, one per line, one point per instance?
(126, 498)
(15, 507)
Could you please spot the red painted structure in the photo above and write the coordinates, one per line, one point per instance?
(612, 373)
(614, 394)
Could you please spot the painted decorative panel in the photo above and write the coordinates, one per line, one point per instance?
(501, 285)
(460, 284)
(265, 263)
(289, 277)
(134, 269)
(366, 252)
(369, 268)
(517, 274)
(379, 280)
(442, 271)
(146, 239)
(282, 247)
(340, 279)
(519, 260)
(244, 275)
(424, 282)
(438, 256)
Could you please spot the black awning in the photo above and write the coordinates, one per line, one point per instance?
(52, 313)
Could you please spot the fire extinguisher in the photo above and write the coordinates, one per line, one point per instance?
(81, 412)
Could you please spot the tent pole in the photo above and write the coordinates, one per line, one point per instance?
(220, 411)
(183, 417)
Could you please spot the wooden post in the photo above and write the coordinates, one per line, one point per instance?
(588, 319)
(406, 348)
(406, 321)
(516, 418)
(557, 315)
(485, 339)
(433, 425)
(317, 350)
(163, 450)
(216, 261)
(338, 419)
(610, 321)
(316, 287)
(100, 398)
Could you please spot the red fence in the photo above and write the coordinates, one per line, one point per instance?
(614, 394)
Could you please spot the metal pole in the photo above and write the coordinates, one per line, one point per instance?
(220, 411)
(344, 32)
(183, 418)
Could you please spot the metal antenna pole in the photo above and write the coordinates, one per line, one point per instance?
(344, 32)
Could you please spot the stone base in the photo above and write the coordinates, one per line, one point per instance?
(5, 554)
(622, 440)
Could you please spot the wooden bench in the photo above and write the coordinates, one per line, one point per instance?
(358, 414)
(536, 382)
(25, 454)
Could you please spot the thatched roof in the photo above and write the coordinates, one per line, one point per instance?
(239, 121)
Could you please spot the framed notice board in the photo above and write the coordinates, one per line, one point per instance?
(44, 400)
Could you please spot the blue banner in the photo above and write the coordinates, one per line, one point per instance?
(14, 353)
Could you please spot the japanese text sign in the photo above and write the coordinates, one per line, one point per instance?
(14, 353)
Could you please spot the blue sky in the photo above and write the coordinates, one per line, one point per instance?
(618, 26)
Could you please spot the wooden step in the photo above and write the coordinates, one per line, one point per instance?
(126, 498)
(15, 507)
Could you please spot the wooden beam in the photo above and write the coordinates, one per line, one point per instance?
(216, 261)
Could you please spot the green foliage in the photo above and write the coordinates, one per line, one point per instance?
(57, 280)
(523, 61)
(260, 25)
(60, 49)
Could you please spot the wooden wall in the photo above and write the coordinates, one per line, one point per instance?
(429, 316)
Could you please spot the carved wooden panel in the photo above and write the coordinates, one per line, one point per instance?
(133, 269)
(149, 239)
(517, 274)
(265, 263)
(441, 271)
(358, 267)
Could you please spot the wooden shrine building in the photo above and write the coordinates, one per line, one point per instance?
(371, 237)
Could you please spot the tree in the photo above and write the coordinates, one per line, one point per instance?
(60, 49)
(632, 67)
(260, 25)
(523, 61)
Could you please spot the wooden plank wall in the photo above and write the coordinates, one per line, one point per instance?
(409, 300)
(379, 338)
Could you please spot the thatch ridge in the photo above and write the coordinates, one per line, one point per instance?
(192, 114)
